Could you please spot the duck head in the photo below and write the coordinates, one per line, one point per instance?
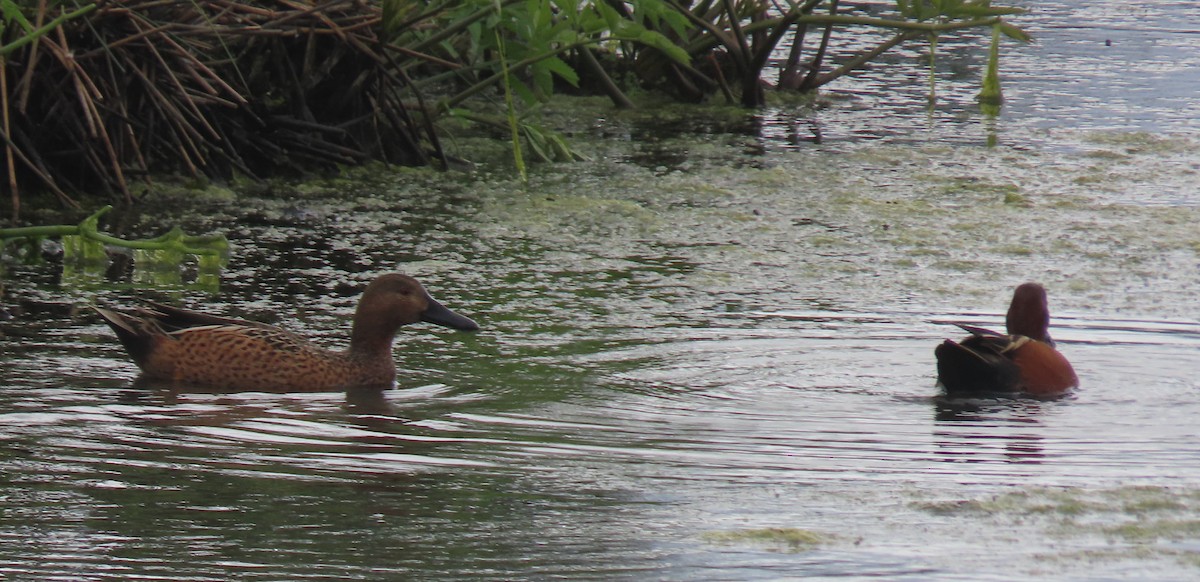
(1029, 314)
(394, 300)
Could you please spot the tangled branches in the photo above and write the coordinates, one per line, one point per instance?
(207, 88)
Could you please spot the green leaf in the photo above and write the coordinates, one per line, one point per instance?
(393, 15)
(12, 13)
(1015, 33)
(543, 15)
(543, 80)
(79, 249)
(523, 91)
(537, 142)
(563, 152)
(990, 93)
(562, 69)
(661, 42)
(611, 17)
(679, 23)
(654, 13)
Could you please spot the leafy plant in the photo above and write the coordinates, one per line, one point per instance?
(89, 234)
(84, 246)
(100, 97)
(738, 37)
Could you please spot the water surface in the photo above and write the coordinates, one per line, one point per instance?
(704, 356)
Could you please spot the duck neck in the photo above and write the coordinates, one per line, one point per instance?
(1029, 316)
(372, 338)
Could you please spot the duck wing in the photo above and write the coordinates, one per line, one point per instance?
(176, 319)
(981, 332)
(980, 364)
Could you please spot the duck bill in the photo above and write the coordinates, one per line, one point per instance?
(441, 315)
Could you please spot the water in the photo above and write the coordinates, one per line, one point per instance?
(699, 354)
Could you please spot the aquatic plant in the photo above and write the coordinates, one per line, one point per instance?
(98, 98)
(737, 39)
(209, 88)
(219, 88)
(83, 243)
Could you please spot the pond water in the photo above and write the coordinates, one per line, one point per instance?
(704, 356)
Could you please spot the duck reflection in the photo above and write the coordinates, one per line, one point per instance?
(371, 402)
(988, 430)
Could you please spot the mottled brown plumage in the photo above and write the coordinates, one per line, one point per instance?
(1022, 362)
(191, 349)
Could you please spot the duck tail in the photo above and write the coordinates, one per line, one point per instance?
(966, 371)
(131, 331)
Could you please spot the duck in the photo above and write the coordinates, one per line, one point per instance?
(1023, 362)
(184, 348)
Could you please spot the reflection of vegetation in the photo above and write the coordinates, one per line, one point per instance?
(106, 95)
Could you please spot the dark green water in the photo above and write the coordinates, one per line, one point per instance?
(704, 356)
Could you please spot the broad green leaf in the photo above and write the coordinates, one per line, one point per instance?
(563, 152)
(562, 69)
(543, 14)
(523, 91)
(543, 80)
(656, 12)
(537, 142)
(664, 44)
(611, 17)
(81, 249)
(679, 23)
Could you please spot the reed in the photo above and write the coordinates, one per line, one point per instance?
(206, 88)
(97, 98)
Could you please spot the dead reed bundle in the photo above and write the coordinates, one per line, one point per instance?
(204, 87)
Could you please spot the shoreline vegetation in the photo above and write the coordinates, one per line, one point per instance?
(96, 98)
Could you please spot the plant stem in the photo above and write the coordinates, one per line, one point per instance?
(38, 33)
(518, 159)
(172, 240)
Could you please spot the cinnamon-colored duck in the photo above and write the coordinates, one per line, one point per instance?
(1022, 362)
(185, 348)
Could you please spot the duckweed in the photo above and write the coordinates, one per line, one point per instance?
(792, 538)
(1135, 519)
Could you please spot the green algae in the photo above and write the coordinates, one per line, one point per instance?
(1157, 529)
(1133, 519)
(792, 539)
(1134, 143)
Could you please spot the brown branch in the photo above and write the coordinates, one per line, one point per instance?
(38, 170)
(865, 57)
(31, 62)
(8, 149)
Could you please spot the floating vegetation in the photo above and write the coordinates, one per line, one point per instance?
(1135, 519)
(86, 250)
(792, 538)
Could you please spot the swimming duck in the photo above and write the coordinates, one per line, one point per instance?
(196, 350)
(1022, 362)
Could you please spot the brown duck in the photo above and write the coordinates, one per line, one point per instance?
(1022, 362)
(186, 348)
